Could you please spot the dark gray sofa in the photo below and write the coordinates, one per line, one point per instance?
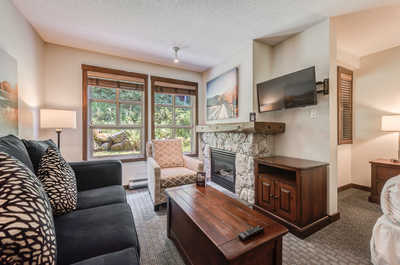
(102, 229)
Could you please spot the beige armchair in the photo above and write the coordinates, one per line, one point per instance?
(167, 167)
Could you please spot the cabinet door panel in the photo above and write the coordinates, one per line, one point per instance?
(286, 201)
(266, 193)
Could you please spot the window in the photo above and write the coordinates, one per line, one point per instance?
(345, 106)
(114, 114)
(174, 111)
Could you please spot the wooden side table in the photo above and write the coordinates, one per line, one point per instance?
(381, 171)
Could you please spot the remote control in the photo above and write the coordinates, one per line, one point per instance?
(251, 232)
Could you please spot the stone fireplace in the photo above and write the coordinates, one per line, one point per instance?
(246, 141)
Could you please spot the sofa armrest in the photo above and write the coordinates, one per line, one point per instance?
(97, 174)
(193, 164)
(154, 182)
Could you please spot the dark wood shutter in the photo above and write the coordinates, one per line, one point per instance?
(345, 105)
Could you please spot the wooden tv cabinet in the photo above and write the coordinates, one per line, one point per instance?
(293, 192)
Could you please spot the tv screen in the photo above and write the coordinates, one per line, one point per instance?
(297, 89)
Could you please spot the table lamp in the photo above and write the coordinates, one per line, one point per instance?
(391, 123)
(57, 119)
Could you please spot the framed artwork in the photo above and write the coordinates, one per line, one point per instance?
(222, 96)
(8, 94)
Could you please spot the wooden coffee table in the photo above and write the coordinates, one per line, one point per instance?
(204, 224)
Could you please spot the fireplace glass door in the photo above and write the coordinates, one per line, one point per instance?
(223, 171)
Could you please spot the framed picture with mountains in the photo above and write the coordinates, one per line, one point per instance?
(222, 96)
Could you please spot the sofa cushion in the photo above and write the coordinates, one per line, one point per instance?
(101, 196)
(24, 208)
(177, 176)
(87, 233)
(59, 182)
(13, 146)
(127, 256)
(36, 150)
(168, 153)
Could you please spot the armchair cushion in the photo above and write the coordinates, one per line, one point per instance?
(177, 176)
(168, 153)
(193, 164)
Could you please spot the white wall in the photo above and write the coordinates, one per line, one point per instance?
(63, 89)
(243, 60)
(24, 44)
(377, 93)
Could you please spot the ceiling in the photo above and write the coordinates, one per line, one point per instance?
(368, 31)
(209, 31)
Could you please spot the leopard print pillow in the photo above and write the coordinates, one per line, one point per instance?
(27, 233)
(59, 182)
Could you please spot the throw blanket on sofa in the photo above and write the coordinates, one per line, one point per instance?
(390, 200)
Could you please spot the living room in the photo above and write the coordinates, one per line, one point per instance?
(131, 110)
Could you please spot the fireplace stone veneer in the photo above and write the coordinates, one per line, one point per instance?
(246, 146)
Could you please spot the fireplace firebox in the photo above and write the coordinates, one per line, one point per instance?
(223, 171)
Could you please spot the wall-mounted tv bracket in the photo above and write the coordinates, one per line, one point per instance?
(323, 86)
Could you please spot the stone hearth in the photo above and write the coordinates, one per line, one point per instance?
(247, 146)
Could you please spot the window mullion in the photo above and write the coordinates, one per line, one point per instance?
(173, 118)
(117, 107)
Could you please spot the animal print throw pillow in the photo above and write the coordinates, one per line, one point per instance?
(59, 182)
(27, 233)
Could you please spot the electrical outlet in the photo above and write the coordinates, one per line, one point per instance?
(313, 114)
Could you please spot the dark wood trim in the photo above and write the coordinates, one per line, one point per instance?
(301, 232)
(353, 186)
(154, 79)
(112, 71)
(340, 139)
(334, 217)
(85, 69)
(84, 112)
(173, 81)
(344, 187)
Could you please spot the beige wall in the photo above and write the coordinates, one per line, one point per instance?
(24, 44)
(344, 156)
(243, 60)
(63, 89)
(305, 136)
(377, 93)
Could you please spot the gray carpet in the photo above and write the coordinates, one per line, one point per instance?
(343, 242)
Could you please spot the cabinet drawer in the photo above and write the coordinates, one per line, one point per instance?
(385, 173)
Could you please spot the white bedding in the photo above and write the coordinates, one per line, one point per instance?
(385, 242)
(390, 199)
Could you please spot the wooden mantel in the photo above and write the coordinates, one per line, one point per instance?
(244, 127)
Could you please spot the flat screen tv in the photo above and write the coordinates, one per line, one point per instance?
(293, 90)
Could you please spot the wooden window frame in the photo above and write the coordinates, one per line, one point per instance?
(85, 118)
(344, 70)
(153, 80)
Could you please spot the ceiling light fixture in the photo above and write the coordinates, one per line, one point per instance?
(176, 59)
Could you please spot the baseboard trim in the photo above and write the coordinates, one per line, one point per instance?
(334, 217)
(353, 186)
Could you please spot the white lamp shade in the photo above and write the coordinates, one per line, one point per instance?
(391, 123)
(57, 119)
